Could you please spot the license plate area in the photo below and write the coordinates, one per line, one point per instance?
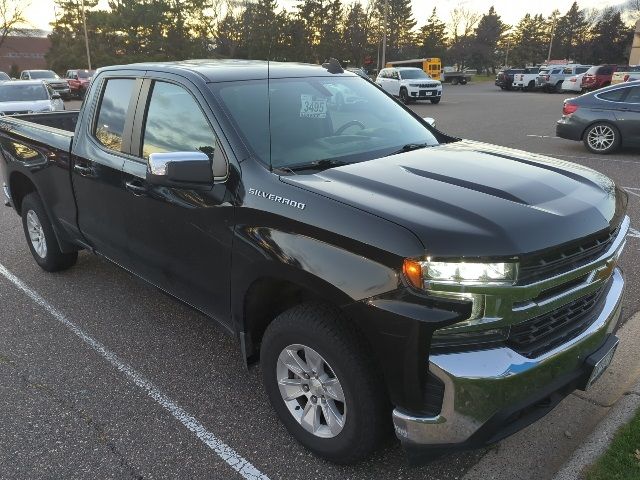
(600, 361)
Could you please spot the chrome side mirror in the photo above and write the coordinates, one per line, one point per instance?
(180, 169)
(431, 121)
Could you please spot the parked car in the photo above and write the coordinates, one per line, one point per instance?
(605, 119)
(28, 97)
(504, 78)
(410, 84)
(376, 268)
(52, 79)
(600, 76)
(550, 78)
(78, 81)
(526, 81)
(572, 84)
(624, 75)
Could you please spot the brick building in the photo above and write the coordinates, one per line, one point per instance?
(26, 51)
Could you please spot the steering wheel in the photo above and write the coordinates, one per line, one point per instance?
(350, 123)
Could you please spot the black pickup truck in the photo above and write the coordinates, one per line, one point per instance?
(379, 270)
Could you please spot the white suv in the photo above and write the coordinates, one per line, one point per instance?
(410, 84)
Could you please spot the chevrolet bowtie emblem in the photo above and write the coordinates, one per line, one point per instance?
(603, 273)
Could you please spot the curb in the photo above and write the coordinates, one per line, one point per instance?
(599, 440)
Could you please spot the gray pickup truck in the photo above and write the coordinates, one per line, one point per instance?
(550, 78)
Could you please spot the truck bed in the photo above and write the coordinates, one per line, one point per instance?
(65, 120)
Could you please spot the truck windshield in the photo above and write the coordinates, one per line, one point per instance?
(47, 74)
(15, 92)
(328, 121)
(411, 74)
(85, 73)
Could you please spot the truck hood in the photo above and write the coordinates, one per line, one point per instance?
(32, 105)
(470, 199)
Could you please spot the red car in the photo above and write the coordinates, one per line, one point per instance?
(599, 76)
(78, 81)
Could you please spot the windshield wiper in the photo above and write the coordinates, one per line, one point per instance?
(317, 165)
(409, 147)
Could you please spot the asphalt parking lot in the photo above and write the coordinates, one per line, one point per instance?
(103, 376)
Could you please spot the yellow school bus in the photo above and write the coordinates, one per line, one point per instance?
(431, 66)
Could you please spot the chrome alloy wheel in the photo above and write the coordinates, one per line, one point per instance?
(311, 391)
(36, 234)
(601, 137)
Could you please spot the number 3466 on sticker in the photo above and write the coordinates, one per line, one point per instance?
(310, 108)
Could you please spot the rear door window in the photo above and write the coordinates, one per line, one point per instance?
(634, 95)
(112, 113)
(617, 95)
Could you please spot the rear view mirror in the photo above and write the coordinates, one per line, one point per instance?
(56, 96)
(180, 169)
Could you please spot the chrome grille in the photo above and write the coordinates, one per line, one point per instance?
(543, 333)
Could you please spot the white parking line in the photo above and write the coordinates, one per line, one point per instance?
(633, 233)
(225, 452)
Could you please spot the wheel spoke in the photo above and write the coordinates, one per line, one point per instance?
(314, 361)
(334, 420)
(310, 419)
(333, 389)
(293, 361)
(291, 388)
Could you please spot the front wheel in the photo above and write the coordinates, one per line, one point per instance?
(435, 100)
(602, 138)
(320, 380)
(41, 238)
(404, 96)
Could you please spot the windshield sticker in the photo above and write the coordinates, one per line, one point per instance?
(310, 108)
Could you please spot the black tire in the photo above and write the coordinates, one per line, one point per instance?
(607, 132)
(455, 81)
(435, 100)
(531, 86)
(503, 88)
(367, 410)
(463, 81)
(558, 87)
(404, 96)
(53, 259)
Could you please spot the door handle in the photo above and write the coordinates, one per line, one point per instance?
(136, 187)
(82, 170)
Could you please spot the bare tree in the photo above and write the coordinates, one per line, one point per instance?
(12, 17)
(633, 9)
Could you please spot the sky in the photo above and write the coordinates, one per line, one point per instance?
(41, 12)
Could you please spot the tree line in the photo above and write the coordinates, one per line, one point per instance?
(315, 30)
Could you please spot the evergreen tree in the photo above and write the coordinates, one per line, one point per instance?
(610, 39)
(571, 34)
(489, 33)
(400, 25)
(433, 37)
(530, 41)
(357, 26)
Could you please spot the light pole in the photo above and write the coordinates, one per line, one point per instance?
(86, 37)
(384, 34)
(553, 31)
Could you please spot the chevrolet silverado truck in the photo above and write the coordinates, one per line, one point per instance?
(382, 273)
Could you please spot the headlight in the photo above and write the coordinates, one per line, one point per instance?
(421, 273)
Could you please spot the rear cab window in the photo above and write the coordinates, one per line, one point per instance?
(109, 125)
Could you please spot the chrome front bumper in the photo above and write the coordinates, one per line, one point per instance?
(7, 195)
(485, 385)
